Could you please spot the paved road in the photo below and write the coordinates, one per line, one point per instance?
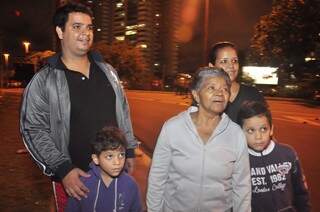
(296, 123)
(24, 188)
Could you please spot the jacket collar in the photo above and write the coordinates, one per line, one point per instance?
(53, 61)
(266, 151)
(95, 169)
(221, 127)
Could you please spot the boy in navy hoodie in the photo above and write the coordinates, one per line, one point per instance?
(277, 179)
(110, 188)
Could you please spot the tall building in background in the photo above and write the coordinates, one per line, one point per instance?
(1, 40)
(147, 24)
(171, 10)
(1, 49)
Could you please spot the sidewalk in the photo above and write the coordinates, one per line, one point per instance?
(143, 162)
(24, 187)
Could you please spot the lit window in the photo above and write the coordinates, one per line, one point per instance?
(131, 32)
(120, 4)
(121, 38)
(131, 27)
(309, 59)
(99, 30)
(157, 14)
(292, 87)
(144, 46)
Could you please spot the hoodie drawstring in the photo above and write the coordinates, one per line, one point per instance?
(115, 195)
(97, 196)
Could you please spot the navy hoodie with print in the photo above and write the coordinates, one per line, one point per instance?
(121, 195)
(278, 182)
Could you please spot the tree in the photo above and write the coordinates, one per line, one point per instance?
(39, 58)
(286, 37)
(128, 62)
(288, 34)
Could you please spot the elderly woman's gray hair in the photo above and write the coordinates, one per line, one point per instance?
(205, 72)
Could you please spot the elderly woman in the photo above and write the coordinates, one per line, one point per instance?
(200, 162)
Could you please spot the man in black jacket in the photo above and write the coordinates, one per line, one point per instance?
(68, 101)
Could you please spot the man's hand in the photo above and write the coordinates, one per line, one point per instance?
(73, 185)
(130, 165)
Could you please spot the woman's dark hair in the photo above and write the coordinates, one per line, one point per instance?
(212, 56)
(205, 72)
(249, 109)
(109, 138)
(61, 15)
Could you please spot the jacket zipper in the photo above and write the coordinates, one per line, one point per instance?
(202, 177)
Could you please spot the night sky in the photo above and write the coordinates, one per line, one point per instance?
(229, 20)
(25, 20)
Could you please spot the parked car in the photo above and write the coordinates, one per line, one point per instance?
(14, 84)
(316, 95)
(156, 84)
(182, 82)
(124, 84)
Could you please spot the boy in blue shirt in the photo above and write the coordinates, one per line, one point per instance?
(277, 179)
(110, 188)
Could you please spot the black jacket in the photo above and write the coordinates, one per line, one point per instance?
(45, 116)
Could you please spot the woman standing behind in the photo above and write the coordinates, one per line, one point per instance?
(224, 55)
(200, 162)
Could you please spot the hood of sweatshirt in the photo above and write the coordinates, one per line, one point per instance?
(96, 171)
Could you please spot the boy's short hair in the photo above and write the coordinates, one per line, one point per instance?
(250, 109)
(108, 138)
(61, 15)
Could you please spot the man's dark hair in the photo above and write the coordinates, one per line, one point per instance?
(109, 138)
(250, 109)
(212, 56)
(61, 15)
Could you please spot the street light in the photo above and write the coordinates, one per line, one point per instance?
(26, 46)
(205, 27)
(6, 65)
(6, 60)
